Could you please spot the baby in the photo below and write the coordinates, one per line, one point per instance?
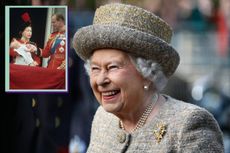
(24, 51)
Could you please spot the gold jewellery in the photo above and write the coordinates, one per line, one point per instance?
(159, 131)
(144, 116)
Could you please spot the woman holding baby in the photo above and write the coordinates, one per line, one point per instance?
(20, 49)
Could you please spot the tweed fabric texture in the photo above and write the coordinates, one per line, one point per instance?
(134, 18)
(189, 129)
(131, 29)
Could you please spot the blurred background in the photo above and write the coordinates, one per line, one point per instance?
(202, 38)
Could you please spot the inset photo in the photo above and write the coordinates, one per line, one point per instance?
(36, 44)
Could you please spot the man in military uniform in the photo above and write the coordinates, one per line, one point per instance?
(56, 44)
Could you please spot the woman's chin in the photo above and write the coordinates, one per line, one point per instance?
(111, 108)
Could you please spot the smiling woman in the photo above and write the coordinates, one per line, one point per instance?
(110, 71)
(129, 60)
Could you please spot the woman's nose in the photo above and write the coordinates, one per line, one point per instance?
(103, 79)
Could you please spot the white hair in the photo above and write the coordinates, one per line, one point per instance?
(149, 69)
(87, 66)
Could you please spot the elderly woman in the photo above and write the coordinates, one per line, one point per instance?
(129, 60)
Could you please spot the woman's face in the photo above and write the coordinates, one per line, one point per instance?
(116, 83)
(27, 33)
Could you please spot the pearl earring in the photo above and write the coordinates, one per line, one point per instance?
(146, 87)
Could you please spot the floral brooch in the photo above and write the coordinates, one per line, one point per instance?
(159, 131)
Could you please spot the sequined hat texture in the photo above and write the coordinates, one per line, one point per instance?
(132, 30)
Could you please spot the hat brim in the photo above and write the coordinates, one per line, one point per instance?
(90, 38)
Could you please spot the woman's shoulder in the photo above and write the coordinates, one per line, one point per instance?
(187, 115)
(197, 127)
(104, 127)
(181, 107)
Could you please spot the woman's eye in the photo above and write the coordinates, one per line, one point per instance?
(95, 69)
(113, 67)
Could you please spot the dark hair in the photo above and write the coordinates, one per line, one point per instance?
(23, 26)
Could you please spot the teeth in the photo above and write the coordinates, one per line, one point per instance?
(110, 93)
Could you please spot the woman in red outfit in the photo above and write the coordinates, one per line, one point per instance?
(20, 49)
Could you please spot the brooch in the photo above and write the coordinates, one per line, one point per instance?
(159, 131)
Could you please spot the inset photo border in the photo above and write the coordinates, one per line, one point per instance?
(36, 43)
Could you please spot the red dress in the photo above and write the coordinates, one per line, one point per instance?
(56, 49)
(14, 54)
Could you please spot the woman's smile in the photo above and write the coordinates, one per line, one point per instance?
(110, 96)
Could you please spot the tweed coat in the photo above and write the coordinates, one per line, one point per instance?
(188, 129)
